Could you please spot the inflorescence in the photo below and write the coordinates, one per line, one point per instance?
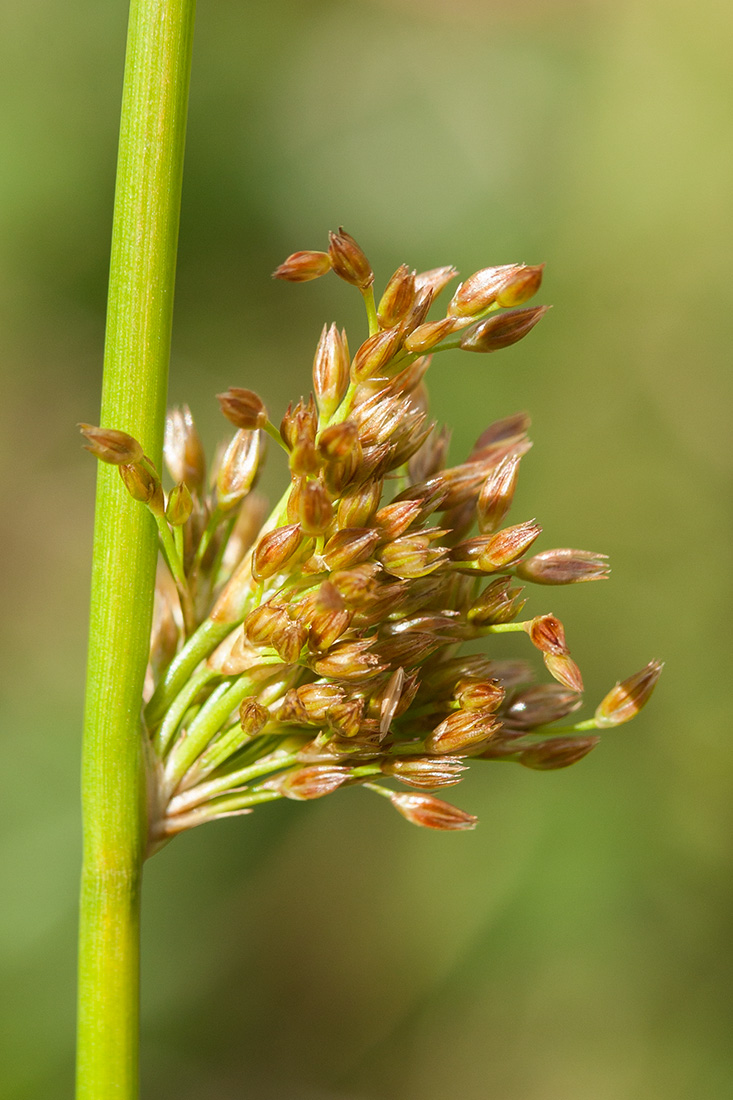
(320, 648)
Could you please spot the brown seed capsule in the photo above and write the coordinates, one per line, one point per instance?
(348, 260)
(275, 549)
(357, 507)
(498, 603)
(288, 639)
(349, 547)
(253, 717)
(431, 813)
(461, 730)
(398, 297)
(330, 617)
(487, 695)
(419, 311)
(508, 545)
(349, 661)
(548, 634)
(480, 290)
(292, 710)
(426, 336)
(425, 772)
(314, 508)
(331, 370)
(182, 450)
(112, 446)
(303, 784)
(375, 353)
(238, 469)
(358, 585)
(394, 519)
(301, 267)
(317, 699)
(564, 567)
(564, 669)
(346, 715)
(243, 408)
(179, 506)
(300, 424)
(557, 752)
(409, 649)
(339, 440)
(625, 700)
(540, 705)
(411, 556)
(262, 622)
(510, 431)
(142, 485)
(497, 493)
(503, 330)
(523, 285)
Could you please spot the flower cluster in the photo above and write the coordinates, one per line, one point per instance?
(320, 648)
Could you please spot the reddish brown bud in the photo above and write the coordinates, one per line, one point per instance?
(288, 639)
(435, 279)
(330, 617)
(540, 705)
(398, 297)
(300, 424)
(497, 493)
(510, 432)
(503, 330)
(348, 260)
(357, 507)
(480, 290)
(109, 445)
(394, 519)
(183, 451)
(142, 485)
(426, 336)
(506, 546)
(375, 353)
(347, 715)
(317, 699)
(349, 547)
(498, 603)
(331, 370)
(253, 717)
(349, 661)
(625, 700)
(262, 622)
(431, 813)
(310, 782)
(411, 556)
(314, 508)
(358, 584)
(523, 285)
(557, 752)
(425, 772)
(564, 669)
(339, 440)
(548, 634)
(238, 469)
(463, 729)
(301, 267)
(409, 649)
(274, 550)
(485, 695)
(179, 506)
(564, 567)
(243, 408)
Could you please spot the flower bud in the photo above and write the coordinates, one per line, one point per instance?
(348, 260)
(358, 506)
(564, 669)
(112, 446)
(548, 634)
(625, 700)
(426, 336)
(540, 705)
(424, 772)
(300, 423)
(431, 457)
(502, 330)
(288, 639)
(411, 556)
(315, 781)
(557, 752)
(461, 730)
(315, 508)
(180, 505)
(506, 546)
(238, 469)
(398, 297)
(479, 290)
(301, 267)
(330, 617)
(331, 370)
(375, 353)
(182, 450)
(316, 699)
(564, 567)
(419, 311)
(431, 813)
(253, 717)
(521, 286)
(243, 408)
(394, 519)
(498, 603)
(349, 661)
(339, 440)
(262, 622)
(346, 715)
(349, 547)
(275, 550)
(142, 485)
(487, 695)
(497, 493)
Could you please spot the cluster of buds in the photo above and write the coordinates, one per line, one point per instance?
(319, 648)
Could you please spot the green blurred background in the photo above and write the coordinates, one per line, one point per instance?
(578, 944)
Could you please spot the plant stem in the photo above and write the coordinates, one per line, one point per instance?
(137, 350)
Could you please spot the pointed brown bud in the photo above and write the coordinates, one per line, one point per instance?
(375, 353)
(183, 451)
(564, 567)
(509, 432)
(304, 459)
(557, 752)
(409, 649)
(498, 603)
(435, 279)
(331, 370)
(348, 260)
(398, 297)
(357, 585)
(349, 547)
(503, 330)
(315, 508)
(506, 546)
(238, 469)
(523, 285)
(480, 290)
(625, 700)
(330, 617)
(461, 730)
(394, 519)
(142, 485)
(431, 813)
(419, 311)
(346, 715)
(253, 717)
(310, 782)
(425, 772)
(411, 556)
(288, 639)
(339, 440)
(243, 408)
(301, 267)
(358, 506)
(564, 669)
(262, 622)
(300, 423)
(275, 549)
(497, 493)
(179, 506)
(540, 705)
(485, 695)
(548, 634)
(109, 445)
(426, 336)
(349, 661)
(316, 699)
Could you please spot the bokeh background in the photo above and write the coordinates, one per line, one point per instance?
(578, 944)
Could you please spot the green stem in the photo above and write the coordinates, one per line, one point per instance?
(137, 350)
(371, 309)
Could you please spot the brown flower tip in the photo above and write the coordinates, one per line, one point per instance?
(564, 567)
(398, 297)
(142, 485)
(425, 772)
(179, 506)
(564, 669)
(182, 450)
(506, 546)
(626, 699)
(301, 267)
(503, 330)
(306, 783)
(498, 603)
(426, 336)
(375, 353)
(435, 280)
(540, 705)
(238, 468)
(348, 260)
(274, 550)
(315, 508)
(462, 730)
(548, 634)
(253, 716)
(557, 752)
(243, 408)
(497, 494)
(480, 290)
(431, 812)
(112, 446)
(331, 370)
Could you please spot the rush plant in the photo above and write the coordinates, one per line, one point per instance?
(290, 655)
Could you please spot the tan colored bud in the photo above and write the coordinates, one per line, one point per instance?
(358, 584)
(485, 695)
(394, 519)
(507, 436)
(564, 669)
(349, 661)
(523, 285)
(349, 547)
(348, 260)
(625, 700)
(300, 423)
(182, 450)
(398, 297)
(243, 408)
(425, 772)
(375, 353)
(238, 469)
(540, 705)
(557, 752)
(288, 639)
(564, 567)
(339, 440)
(297, 485)
(411, 556)
(435, 280)
(503, 330)
(317, 699)
(112, 446)
(497, 493)
(548, 634)
(306, 783)
(253, 717)
(419, 311)
(506, 546)
(346, 715)
(301, 267)
(431, 813)
(426, 336)
(275, 550)
(358, 506)
(179, 506)
(461, 730)
(292, 710)
(498, 603)
(331, 370)
(330, 617)
(142, 485)
(480, 290)
(314, 508)
(262, 622)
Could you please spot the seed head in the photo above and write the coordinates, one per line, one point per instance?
(564, 567)
(301, 267)
(625, 700)
(431, 812)
(348, 260)
(112, 446)
(503, 330)
(243, 408)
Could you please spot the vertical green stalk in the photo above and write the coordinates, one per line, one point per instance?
(137, 350)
